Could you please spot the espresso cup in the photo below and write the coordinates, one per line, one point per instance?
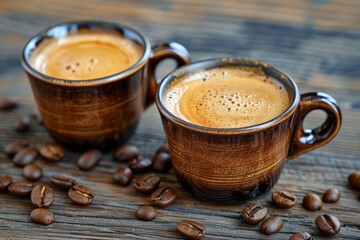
(85, 111)
(233, 164)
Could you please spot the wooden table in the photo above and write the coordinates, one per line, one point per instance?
(317, 42)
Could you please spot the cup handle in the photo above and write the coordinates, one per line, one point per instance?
(161, 51)
(305, 140)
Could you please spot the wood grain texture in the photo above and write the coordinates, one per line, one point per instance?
(315, 41)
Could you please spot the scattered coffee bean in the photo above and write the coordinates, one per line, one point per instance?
(42, 196)
(5, 181)
(146, 213)
(25, 156)
(32, 172)
(62, 182)
(161, 162)
(20, 189)
(254, 213)
(163, 148)
(15, 146)
(332, 195)
(52, 151)
(302, 236)
(140, 164)
(81, 195)
(37, 116)
(354, 180)
(328, 224)
(22, 124)
(163, 197)
(312, 202)
(42, 216)
(147, 183)
(8, 103)
(123, 176)
(89, 159)
(191, 229)
(271, 225)
(126, 153)
(284, 199)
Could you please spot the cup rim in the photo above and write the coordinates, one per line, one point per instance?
(218, 62)
(74, 26)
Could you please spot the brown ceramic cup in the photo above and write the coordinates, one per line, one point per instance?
(224, 165)
(98, 112)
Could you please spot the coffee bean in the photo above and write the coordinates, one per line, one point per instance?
(312, 202)
(284, 199)
(254, 213)
(22, 124)
(32, 172)
(20, 189)
(140, 164)
(25, 156)
(191, 229)
(146, 213)
(271, 225)
(5, 181)
(354, 180)
(328, 224)
(42, 196)
(89, 159)
(161, 162)
(81, 195)
(15, 146)
(123, 176)
(126, 153)
(301, 236)
(163, 148)
(52, 151)
(62, 182)
(37, 116)
(332, 195)
(163, 197)
(42, 216)
(147, 183)
(8, 103)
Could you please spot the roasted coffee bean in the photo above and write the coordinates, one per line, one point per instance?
(89, 159)
(42, 216)
(161, 162)
(146, 213)
(32, 172)
(328, 224)
(25, 156)
(126, 153)
(354, 180)
(140, 164)
(163, 197)
(123, 176)
(20, 189)
(312, 202)
(271, 225)
(8, 103)
(15, 146)
(5, 181)
(191, 229)
(332, 195)
(301, 236)
(147, 183)
(37, 116)
(163, 148)
(52, 151)
(42, 196)
(62, 182)
(81, 195)
(254, 213)
(22, 124)
(284, 199)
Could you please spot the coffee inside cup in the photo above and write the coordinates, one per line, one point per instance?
(86, 54)
(226, 97)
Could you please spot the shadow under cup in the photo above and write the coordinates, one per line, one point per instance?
(224, 165)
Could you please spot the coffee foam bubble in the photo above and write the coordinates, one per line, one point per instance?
(227, 97)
